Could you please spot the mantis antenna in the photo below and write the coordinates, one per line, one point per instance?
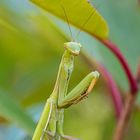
(67, 20)
(86, 21)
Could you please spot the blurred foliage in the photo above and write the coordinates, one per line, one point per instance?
(31, 46)
(14, 113)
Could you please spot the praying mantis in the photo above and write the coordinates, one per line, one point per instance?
(50, 125)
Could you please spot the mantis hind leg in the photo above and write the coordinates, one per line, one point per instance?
(43, 136)
(50, 126)
(66, 137)
(44, 121)
(60, 126)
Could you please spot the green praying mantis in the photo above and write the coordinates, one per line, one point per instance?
(50, 125)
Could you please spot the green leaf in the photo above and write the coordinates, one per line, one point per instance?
(78, 12)
(12, 111)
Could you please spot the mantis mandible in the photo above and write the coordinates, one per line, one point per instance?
(50, 125)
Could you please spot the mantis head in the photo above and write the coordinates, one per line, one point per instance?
(73, 47)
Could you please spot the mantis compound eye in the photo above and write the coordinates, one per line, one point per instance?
(73, 47)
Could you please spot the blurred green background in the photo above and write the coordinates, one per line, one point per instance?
(31, 46)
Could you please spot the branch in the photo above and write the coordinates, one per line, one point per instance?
(125, 117)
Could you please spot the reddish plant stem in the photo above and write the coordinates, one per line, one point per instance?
(126, 112)
(115, 94)
(125, 117)
(138, 74)
(123, 62)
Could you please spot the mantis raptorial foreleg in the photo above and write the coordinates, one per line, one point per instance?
(80, 91)
(50, 125)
